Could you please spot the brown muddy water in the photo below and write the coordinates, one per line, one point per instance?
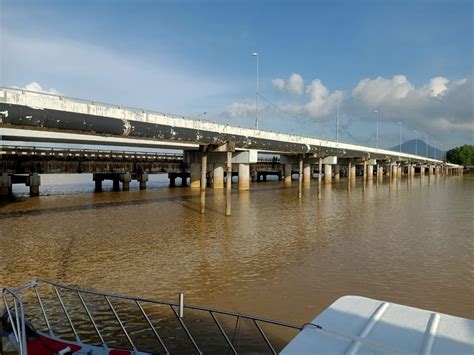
(276, 256)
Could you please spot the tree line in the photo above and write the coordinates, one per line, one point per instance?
(463, 155)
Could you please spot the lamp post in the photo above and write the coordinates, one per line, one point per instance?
(377, 131)
(255, 54)
(426, 145)
(416, 143)
(337, 121)
(400, 125)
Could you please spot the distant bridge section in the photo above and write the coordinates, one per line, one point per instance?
(211, 151)
(53, 113)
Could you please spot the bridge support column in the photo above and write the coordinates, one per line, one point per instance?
(5, 184)
(364, 175)
(228, 195)
(126, 178)
(195, 175)
(244, 177)
(422, 170)
(142, 179)
(203, 182)
(218, 176)
(307, 173)
(370, 172)
(254, 175)
(337, 173)
(349, 173)
(430, 170)
(320, 170)
(353, 171)
(98, 185)
(34, 182)
(327, 173)
(399, 170)
(288, 171)
(300, 177)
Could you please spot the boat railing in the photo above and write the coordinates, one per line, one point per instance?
(16, 315)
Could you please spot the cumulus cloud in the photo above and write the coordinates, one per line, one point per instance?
(243, 109)
(440, 106)
(294, 85)
(34, 86)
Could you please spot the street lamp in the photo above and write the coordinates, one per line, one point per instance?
(416, 143)
(377, 132)
(400, 125)
(426, 145)
(255, 54)
(337, 121)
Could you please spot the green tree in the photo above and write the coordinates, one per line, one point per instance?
(463, 155)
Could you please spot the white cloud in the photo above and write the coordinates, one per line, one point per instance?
(375, 92)
(34, 86)
(439, 106)
(243, 109)
(294, 85)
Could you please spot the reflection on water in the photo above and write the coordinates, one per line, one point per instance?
(276, 256)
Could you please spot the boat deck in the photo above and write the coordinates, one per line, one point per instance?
(359, 325)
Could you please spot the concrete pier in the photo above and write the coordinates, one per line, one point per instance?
(126, 178)
(320, 170)
(203, 182)
(244, 176)
(218, 176)
(5, 184)
(300, 177)
(353, 171)
(142, 180)
(228, 195)
(288, 171)
(370, 172)
(195, 175)
(327, 173)
(337, 173)
(349, 173)
(307, 174)
(34, 182)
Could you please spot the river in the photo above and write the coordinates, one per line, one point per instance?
(276, 256)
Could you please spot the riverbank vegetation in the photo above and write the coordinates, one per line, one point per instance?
(463, 155)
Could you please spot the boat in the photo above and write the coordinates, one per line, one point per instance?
(46, 317)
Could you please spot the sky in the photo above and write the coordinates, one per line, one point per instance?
(411, 61)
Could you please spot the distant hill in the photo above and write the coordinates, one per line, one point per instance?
(417, 145)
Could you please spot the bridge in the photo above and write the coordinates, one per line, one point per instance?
(211, 150)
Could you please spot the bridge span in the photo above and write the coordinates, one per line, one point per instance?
(211, 150)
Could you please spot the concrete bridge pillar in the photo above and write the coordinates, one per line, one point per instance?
(142, 179)
(126, 178)
(353, 171)
(337, 173)
(307, 173)
(288, 170)
(327, 173)
(244, 176)
(430, 170)
(218, 176)
(254, 175)
(5, 184)
(422, 170)
(195, 175)
(399, 170)
(364, 174)
(370, 172)
(388, 170)
(34, 182)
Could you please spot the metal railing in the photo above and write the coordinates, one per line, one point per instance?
(16, 316)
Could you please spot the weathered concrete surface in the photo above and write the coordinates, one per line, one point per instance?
(327, 173)
(244, 177)
(218, 176)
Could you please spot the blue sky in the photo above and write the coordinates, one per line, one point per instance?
(188, 57)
